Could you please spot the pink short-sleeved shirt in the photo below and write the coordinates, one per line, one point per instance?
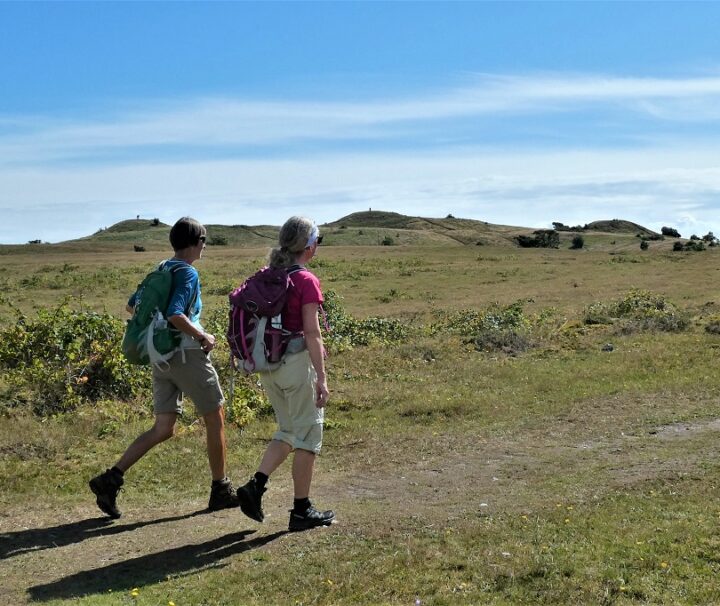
(305, 289)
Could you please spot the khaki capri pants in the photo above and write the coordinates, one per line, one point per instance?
(291, 391)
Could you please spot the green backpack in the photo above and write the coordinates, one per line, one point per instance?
(149, 337)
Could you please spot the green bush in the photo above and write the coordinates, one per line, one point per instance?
(541, 238)
(507, 341)
(496, 328)
(346, 332)
(696, 245)
(63, 358)
(578, 242)
(638, 310)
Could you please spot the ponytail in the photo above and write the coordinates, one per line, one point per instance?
(292, 241)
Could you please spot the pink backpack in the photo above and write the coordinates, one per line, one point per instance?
(255, 333)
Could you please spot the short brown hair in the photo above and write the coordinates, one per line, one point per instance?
(185, 233)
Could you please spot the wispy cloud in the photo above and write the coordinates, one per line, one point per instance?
(653, 187)
(197, 124)
(241, 161)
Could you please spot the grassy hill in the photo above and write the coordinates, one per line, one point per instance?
(368, 228)
(619, 226)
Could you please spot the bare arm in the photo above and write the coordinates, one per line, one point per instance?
(314, 342)
(181, 322)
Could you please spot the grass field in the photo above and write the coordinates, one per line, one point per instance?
(546, 468)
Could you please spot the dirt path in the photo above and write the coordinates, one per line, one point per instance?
(52, 554)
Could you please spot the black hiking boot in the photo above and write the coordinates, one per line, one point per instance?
(106, 487)
(312, 518)
(250, 497)
(222, 496)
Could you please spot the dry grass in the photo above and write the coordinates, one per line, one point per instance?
(565, 475)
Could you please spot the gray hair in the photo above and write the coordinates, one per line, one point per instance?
(292, 241)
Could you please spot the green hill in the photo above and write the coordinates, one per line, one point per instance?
(615, 226)
(367, 228)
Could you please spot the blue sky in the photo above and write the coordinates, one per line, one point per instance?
(244, 113)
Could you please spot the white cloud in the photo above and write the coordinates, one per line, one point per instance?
(54, 169)
(205, 123)
(529, 189)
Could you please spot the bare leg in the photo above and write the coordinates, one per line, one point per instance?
(275, 454)
(162, 429)
(215, 436)
(302, 472)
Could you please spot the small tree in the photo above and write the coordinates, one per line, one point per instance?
(678, 246)
(644, 245)
(670, 232)
(695, 245)
(577, 242)
(541, 238)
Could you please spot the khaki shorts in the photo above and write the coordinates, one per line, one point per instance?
(291, 391)
(196, 378)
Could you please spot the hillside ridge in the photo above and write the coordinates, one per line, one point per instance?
(365, 228)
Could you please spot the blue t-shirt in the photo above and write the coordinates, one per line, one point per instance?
(186, 291)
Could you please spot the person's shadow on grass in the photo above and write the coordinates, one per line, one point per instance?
(37, 539)
(151, 568)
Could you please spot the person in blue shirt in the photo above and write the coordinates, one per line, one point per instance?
(188, 372)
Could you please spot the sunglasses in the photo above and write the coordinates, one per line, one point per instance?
(203, 238)
(319, 240)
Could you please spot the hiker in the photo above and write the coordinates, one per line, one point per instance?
(297, 389)
(188, 371)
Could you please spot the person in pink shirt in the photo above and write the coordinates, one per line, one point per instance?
(298, 389)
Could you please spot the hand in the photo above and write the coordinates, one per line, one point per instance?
(208, 343)
(321, 394)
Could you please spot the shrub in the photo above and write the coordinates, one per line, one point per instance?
(138, 248)
(63, 358)
(678, 246)
(218, 241)
(644, 245)
(557, 226)
(577, 242)
(713, 325)
(388, 241)
(541, 238)
(155, 222)
(638, 310)
(670, 232)
(507, 341)
(346, 332)
(496, 328)
(696, 245)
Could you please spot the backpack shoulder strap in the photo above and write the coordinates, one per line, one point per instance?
(173, 271)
